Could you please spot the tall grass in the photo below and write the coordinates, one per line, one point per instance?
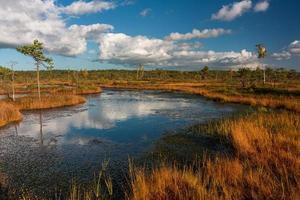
(88, 89)
(265, 165)
(47, 101)
(100, 189)
(8, 113)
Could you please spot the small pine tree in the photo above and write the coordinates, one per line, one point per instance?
(35, 50)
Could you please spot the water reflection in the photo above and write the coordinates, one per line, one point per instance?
(41, 128)
(117, 113)
(16, 129)
(101, 113)
(118, 117)
(73, 141)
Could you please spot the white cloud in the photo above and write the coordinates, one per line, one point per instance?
(145, 12)
(189, 46)
(292, 50)
(232, 11)
(284, 55)
(121, 48)
(90, 31)
(22, 21)
(294, 47)
(118, 47)
(82, 7)
(206, 33)
(261, 6)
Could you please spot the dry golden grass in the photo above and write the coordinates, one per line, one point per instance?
(82, 90)
(47, 101)
(165, 183)
(8, 113)
(90, 90)
(266, 165)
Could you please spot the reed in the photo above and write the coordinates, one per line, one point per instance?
(265, 164)
(88, 90)
(101, 187)
(48, 101)
(8, 113)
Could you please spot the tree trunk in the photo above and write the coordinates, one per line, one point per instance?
(77, 82)
(68, 77)
(264, 76)
(13, 84)
(41, 129)
(137, 73)
(38, 80)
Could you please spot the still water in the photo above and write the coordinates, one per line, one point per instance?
(71, 143)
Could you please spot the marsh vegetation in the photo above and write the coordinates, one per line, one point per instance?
(247, 156)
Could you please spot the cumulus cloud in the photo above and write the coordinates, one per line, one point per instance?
(145, 12)
(232, 11)
(206, 33)
(292, 50)
(189, 46)
(121, 48)
(284, 55)
(294, 47)
(90, 31)
(22, 21)
(261, 6)
(82, 7)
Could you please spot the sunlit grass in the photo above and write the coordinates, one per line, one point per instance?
(265, 164)
(8, 113)
(47, 101)
(10, 110)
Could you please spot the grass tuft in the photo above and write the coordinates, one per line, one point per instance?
(48, 101)
(8, 113)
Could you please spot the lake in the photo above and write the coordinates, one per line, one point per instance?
(72, 142)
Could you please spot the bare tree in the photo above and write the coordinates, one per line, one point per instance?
(12, 64)
(140, 72)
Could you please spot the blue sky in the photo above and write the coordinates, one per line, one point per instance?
(139, 32)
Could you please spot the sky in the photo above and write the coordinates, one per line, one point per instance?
(168, 34)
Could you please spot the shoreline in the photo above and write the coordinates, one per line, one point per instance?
(27, 103)
(11, 112)
(264, 101)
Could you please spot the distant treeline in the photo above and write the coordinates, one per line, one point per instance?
(272, 75)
